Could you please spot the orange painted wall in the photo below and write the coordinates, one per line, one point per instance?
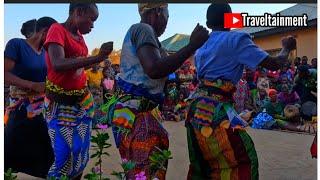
(306, 42)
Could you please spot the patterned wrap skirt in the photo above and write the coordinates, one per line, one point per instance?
(27, 146)
(69, 119)
(219, 147)
(138, 132)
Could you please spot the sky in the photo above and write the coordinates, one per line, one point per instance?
(115, 19)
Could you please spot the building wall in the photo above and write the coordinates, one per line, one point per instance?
(306, 42)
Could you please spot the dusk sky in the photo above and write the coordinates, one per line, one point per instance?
(115, 19)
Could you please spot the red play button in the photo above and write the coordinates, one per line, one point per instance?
(232, 20)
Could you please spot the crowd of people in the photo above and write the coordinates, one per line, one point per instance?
(287, 94)
(56, 90)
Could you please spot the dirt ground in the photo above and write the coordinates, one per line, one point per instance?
(282, 155)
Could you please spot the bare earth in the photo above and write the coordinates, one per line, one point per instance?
(282, 155)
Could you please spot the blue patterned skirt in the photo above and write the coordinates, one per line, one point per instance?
(69, 128)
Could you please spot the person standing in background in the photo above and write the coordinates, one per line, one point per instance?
(314, 63)
(94, 78)
(27, 146)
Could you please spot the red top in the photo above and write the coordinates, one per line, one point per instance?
(73, 79)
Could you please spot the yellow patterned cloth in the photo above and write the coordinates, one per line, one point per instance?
(59, 90)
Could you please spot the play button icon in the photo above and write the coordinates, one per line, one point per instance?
(233, 20)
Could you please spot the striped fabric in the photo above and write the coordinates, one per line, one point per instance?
(218, 150)
(33, 105)
(146, 136)
(226, 154)
(69, 128)
(137, 131)
(88, 104)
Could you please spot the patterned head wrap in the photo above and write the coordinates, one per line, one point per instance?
(143, 7)
(272, 92)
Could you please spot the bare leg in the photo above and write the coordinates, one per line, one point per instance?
(78, 177)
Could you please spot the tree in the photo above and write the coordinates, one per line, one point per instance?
(114, 57)
(95, 51)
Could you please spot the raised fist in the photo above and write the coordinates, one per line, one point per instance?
(198, 37)
(289, 43)
(106, 49)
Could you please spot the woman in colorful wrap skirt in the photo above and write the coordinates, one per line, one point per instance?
(219, 147)
(143, 72)
(27, 147)
(69, 104)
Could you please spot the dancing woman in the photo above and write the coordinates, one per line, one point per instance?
(69, 104)
(27, 145)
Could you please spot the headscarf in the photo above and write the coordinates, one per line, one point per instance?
(143, 7)
(272, 92)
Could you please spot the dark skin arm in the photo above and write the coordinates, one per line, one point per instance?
(89, 67)
(11, 79)
(157, 67)
(274, 63)
(60, 63)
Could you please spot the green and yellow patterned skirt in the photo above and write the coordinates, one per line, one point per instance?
(218, 150)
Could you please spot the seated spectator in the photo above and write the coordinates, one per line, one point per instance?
(272, 105)
(286, 72)
(305, 84)
(94, 78)
(273, 77)
(282, 80)
(108, 82)
(241, 96)
(259, 99)
(297, 62)
(263, 81)
(249, 76)
(314, 63)
(193, 85)
(287, 95)
(257, 73)
(292, 121)
(304, 61)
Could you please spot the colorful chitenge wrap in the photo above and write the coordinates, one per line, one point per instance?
(137, 130)
(219, 147)
(29, 100)
(69, 117)
(27, 147)
(33, 105)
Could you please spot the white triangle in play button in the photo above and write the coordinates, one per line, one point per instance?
(234, 20)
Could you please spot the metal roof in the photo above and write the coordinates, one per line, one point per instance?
(175, 42)
(178, 41)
